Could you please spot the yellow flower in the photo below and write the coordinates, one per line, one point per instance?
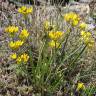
(18, 60)
(13, 56)
(75, 22)
(25, 11)
(12, 44)
(16, 44)
(47, 25)
(67, 17)
(72, 18)
(87, 38)
(55, 35)
(85, 34)
(80, 86)
(23, 58)
(83, 25)
(24, 34)
(11, 29)
(54, 44)
(91, 43)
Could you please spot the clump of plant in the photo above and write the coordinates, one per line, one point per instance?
(52, 64)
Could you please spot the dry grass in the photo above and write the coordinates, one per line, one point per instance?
(9, 82)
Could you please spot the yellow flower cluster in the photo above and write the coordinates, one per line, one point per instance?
(83, 25)
(55, 44)
(23, 58)
(13, 56)
(55, 35)
(80, 86)
(87, 38)
(72, 18)
(48, 26)
(24, 34)
(25, 11)
(16, 44)
(11, 29)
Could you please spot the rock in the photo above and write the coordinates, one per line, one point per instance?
(80, 8)
(90, 20)
(85, 1)
(74, 3)
(91, 27)
(92, 6)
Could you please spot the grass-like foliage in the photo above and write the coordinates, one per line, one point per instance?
(49, 57)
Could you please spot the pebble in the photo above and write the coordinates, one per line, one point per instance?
(85, 1)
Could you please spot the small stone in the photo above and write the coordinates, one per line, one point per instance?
(85, 1)
(91, 26)
(82, 9)
(90, 20)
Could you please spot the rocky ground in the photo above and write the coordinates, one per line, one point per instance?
(8, 80)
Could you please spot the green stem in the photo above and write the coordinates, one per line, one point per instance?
(58, 82)
(68, 57)
(77, 57)
(50, 73)
(79, 54)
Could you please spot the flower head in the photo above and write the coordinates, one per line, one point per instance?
(54, 44)
(11, 29)
(75, 22)
(18, 60)
(24, 34)
(25, 11)
(13, 56)
(23, 58)
(91, 43)
(83, 25)
(72, 18)
(48, 26)
(16, 44)
(80, 86)
(55, 35)
(87, 38)
(85, 34)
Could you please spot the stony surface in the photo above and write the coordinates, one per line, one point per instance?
(81, 8)
(8, 81)
(85, 1)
